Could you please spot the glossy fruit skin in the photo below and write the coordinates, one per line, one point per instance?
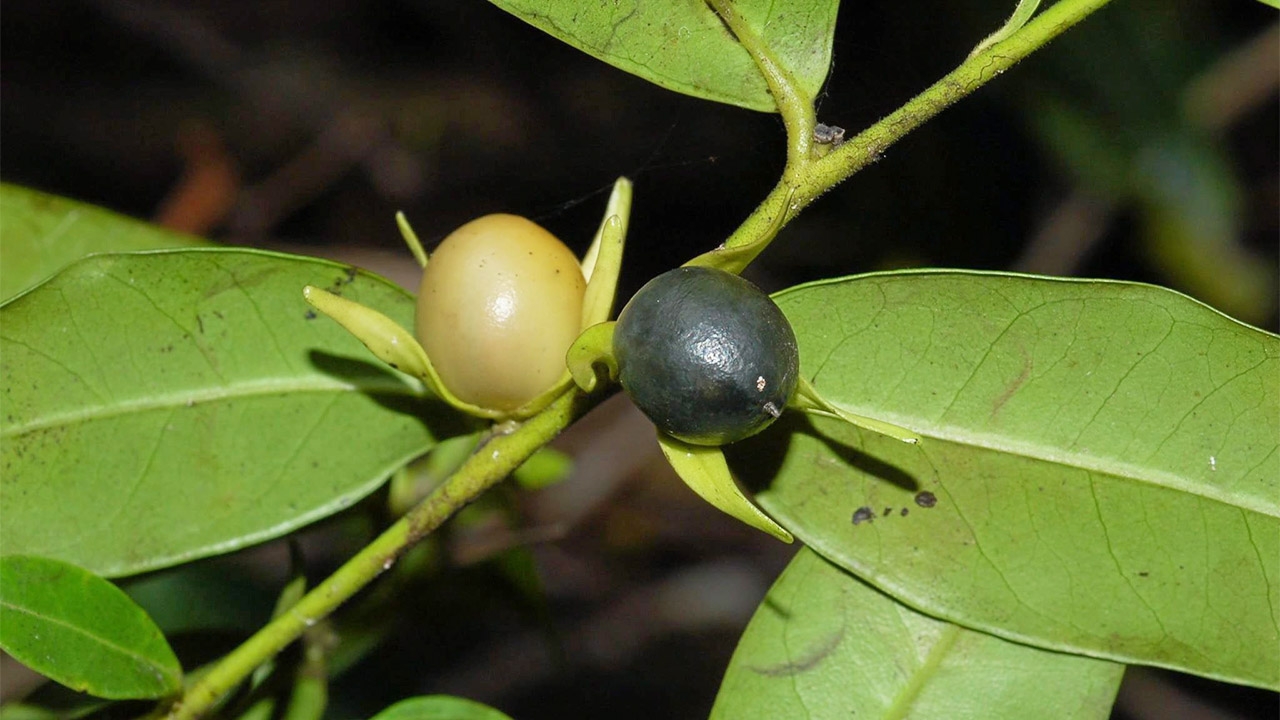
(499, 305)
(706, 355)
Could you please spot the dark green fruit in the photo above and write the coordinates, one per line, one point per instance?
(706, 355)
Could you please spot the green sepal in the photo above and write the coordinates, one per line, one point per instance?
(411, 239)
(705, 471)
(1021, 14)
(619, 206)
(593, 348)
(735, 259)
(384, 337)
(807, 399)
(597, 303)
(392, 344)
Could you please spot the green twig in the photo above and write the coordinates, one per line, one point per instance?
(793, 194)
(488, 466)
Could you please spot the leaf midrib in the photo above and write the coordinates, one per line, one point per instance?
(927, 671)
(143, 659)
(188, 398)
(1111, 467)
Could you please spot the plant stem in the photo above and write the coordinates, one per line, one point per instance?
(816, 177)
(484, 469)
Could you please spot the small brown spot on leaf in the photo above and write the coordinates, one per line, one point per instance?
(805, 662)
(904, 512)
(863, 514)
(926, 499)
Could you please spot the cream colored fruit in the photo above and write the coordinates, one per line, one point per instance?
(499, 305)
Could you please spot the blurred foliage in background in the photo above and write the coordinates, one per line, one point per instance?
(1140, 146)
(1132, 148)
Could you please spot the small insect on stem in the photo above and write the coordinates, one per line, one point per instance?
(832, 135)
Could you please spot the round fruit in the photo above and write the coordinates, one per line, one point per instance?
(706, 355)
(499, 305)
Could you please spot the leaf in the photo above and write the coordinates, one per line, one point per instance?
(40, 234)
(682, 45)
(200, 598)
(706, 473)
(167, 406)
(544, 468)
(1097, 473)
(439, 707)
(825, 645)
(1021, 14)
(80, 630)
(22, 711)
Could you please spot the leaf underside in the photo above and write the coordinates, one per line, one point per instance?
(1098, 471)
(40, 234)
(825, 645)
(683, 46)
(161, 407)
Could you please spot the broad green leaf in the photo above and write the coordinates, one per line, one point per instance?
(682, 45)
(1097, 473)
(440, 707)
(825, 646)
(80, 630)
(161, 407)
(40, 234)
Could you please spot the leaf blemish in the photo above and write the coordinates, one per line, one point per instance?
(863, 514)
(926, 499)
(806, 662)
(1013, 386)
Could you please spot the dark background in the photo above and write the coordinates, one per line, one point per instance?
(1132, 148)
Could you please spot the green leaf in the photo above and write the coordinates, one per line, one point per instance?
(825, 645)
(80, 630)
(544, 468)
(200, 598)
(1098, 468)
(682, 45)
(22, 711)
(439, 707)
(166, 406)
(40, 234)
